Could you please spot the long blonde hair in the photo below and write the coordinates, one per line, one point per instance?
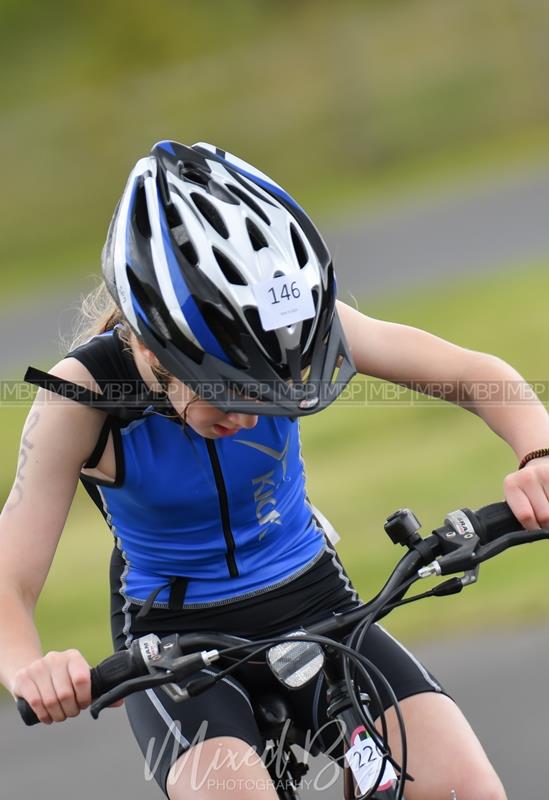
(99, 314)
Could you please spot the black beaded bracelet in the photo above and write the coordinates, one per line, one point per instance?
(534, 454)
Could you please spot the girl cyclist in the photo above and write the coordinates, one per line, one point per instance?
(179, 416)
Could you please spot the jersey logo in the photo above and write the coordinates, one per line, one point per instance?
(270, 451)
(264, 486)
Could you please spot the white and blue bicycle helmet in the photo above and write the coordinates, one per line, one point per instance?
(195, 234)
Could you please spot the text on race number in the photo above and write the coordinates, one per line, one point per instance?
(365, 762)
(283, 301)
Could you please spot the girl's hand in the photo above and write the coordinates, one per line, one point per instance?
(527, 492)
(57, 686)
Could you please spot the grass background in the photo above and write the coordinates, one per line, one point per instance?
(338, 102)
(362, 464)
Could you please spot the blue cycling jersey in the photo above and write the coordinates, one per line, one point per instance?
(229, 515)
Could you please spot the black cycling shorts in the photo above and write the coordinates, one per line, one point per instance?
(165, 729)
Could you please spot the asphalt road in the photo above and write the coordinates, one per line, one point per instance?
(479, 227)
(497, 679)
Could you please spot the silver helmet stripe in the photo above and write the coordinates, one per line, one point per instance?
(120, 242)
(162, 270)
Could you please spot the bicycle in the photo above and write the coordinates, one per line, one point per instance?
(459, 546)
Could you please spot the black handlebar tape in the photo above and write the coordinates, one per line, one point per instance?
(493, 521)
(109, 673)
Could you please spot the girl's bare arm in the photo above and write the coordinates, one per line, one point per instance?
(417, 359)
(57, 438)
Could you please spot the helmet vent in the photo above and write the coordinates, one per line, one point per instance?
(307, 324)
(191, 172)
(184, 243)
(219, 191)
(159, 325)
(228, 269)
(268, 339)
(335, 373)
(300, 249)
(257, 239)
(210, 212)
(172, 214)
(140, 210)
(250, 202)
(153, 320)
(226, 331)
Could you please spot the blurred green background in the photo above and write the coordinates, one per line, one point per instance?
(330, 99)
(347, 104)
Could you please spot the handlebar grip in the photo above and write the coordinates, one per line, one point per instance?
(115, 669)
(27, 714)
(493, 521)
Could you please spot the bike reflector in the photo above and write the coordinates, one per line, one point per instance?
(295, 663)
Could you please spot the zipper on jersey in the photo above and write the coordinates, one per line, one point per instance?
(223, 507)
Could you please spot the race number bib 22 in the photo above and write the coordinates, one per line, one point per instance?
(366, 762)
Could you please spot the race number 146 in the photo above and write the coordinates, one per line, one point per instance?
(286, 292)
(283, 301)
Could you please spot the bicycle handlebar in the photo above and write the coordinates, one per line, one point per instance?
(467, 539)
(493, 521)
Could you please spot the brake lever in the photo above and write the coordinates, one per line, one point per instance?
(470, 576)
(468, 555)
(124, 689)
(459, 543)
(166, 672)
(512, 539)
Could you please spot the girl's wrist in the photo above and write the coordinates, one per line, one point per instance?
(533, 454)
